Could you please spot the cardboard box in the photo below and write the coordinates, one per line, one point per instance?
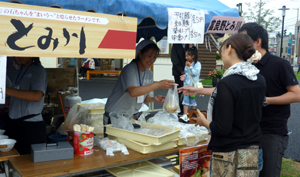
(48, 152)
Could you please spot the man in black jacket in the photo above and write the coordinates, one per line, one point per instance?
(178, 60)
(282, 90)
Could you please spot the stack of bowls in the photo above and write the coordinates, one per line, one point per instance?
(6, 144)
(2, 131)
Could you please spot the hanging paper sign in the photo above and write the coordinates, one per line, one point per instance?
(3, 61)
(220, 24)
(37, 31)
(185, 26)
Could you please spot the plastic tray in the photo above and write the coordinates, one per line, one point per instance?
(145, 148)
(143, 138)
(99, 109)
(191, 139)
(141, 169)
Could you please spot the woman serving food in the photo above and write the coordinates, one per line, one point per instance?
(135, 84)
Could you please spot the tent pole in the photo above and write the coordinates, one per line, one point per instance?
(77, 80)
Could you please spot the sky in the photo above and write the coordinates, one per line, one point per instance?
(290, 16)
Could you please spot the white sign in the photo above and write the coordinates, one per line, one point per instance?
(3, 61)
(223, 24)
(52, 15)
(186, 26)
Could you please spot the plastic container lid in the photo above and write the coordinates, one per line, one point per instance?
(147, 148)
(57, 138)
(143, 138)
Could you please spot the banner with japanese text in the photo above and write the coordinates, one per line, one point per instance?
(195, 161)
(3, 61)
(220, 24)
(36, 31)
(185, 26)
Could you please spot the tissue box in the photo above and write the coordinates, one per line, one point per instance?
(54, 151)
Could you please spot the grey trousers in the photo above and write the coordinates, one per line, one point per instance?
(273, 147)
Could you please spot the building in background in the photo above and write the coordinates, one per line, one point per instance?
(288, 45)
(287, 48)
(297, 30)
(273, 45)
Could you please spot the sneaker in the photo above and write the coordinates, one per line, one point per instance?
(184, 118)
(80, 78)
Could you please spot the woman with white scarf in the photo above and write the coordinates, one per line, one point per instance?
(234, 111)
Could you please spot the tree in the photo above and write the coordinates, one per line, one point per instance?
(257, 13)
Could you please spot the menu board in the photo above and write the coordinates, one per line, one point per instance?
(186, 26)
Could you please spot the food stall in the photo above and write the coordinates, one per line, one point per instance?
(29, 30)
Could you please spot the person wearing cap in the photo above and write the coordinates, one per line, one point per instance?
(135, 84)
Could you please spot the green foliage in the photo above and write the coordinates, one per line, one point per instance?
(206, 82)
(290, 168)
(218, 57)
(266, 18)
(297, 75)
(218, 73)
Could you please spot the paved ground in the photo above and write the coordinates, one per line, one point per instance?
(101, 88)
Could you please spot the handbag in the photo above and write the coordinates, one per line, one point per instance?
(197, 85)
(86, 65)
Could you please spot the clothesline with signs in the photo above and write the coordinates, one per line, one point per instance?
(220, 24)
(185, 26)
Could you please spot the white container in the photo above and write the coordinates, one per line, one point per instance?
(145, 148)
(192, 139)
(3, 137)
(9, 142)
(139, 137)
(140, 169)
(99, 109)
(2, 131)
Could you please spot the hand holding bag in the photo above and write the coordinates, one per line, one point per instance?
(197, 85)
(171, 104)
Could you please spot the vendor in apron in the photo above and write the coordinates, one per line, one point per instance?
(135, 84)
(26, 124)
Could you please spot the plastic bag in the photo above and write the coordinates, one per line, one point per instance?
(171, 104)
(187, 130)
(76, 116)
(120, 120)
(110, 146)
(83, 115)
(96, 120)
